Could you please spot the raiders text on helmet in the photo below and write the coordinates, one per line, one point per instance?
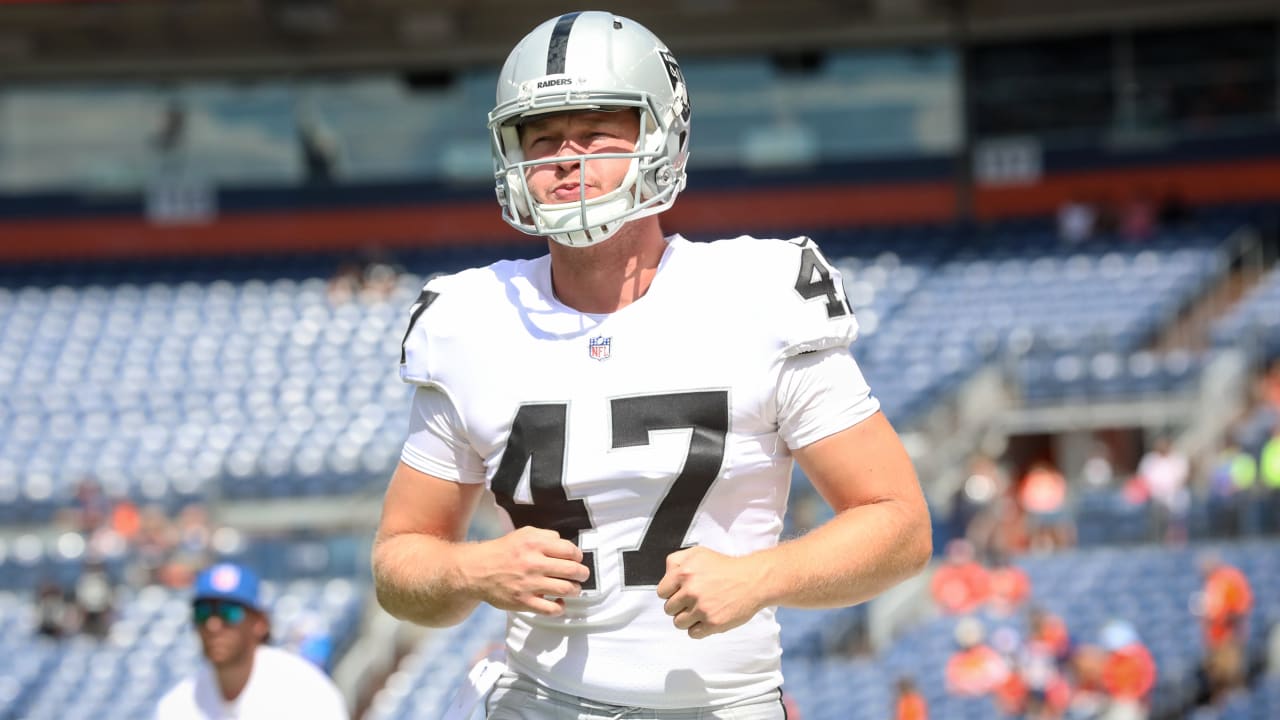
(591, 61)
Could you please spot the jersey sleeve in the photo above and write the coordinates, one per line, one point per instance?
(437, 443)
(803, 296)
(820, 394)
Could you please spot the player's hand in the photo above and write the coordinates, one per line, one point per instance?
(521, 569)
(707, 592)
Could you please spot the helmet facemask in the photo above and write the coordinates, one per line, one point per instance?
(645, 189)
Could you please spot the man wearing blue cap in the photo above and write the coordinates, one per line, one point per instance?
(243, 678)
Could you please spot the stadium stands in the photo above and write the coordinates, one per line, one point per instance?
(1085, 588)
(172, 382)
(235, 379)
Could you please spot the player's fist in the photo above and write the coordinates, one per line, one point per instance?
(521, 570)
(707, 592)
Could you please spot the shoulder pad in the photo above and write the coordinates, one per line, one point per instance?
(800, 293)
(441, 311)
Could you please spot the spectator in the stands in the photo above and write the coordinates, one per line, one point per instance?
(1227, 600)
(1077, 220)
(55, 612)
(1269, 385)
(1010, 586)
(981, 506)
(371, 280)
(95, 599)
(1088, 692)
(961, 584)
(192, 536)
(344, 284)
(909, 703)
(1128, 672)
(1098, 472)
(1036, 687)
(379, 278)
(1163, 471)
(1269, 479)
(1042, 495)
(1138, 220)
(1232, 500)
(91, 508)
(975, 668)
(1049, 631)
(152, 547)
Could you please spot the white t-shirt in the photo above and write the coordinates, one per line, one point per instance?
(1166, 476)
(281, 685)
(667, 424)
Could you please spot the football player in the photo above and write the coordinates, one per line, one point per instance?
(634, 402)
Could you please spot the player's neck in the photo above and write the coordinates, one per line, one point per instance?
(607, 277)
(233, 677)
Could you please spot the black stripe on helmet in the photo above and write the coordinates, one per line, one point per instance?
(558, 49)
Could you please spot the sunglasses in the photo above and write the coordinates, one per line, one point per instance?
(230, 613)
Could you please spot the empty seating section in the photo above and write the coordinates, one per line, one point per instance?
(1073, 324)
(247, 378)
(424, 683)
(170, 382)
(1255, 322)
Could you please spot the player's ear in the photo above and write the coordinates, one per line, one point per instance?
(261, 627)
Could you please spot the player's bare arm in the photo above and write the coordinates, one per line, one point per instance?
(425, 573)
(879, 537)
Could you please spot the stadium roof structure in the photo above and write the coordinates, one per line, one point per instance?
(85, 39)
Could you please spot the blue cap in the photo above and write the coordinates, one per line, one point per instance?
(1117, 634)
(229, 581)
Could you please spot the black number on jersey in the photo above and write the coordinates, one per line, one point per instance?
(537, 440)
(421, 304)
(816, 279)
(707, 415)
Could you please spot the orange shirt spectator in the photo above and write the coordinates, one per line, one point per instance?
(1268, 386)
(1011, 695)
(910, 704)
(1043, 491)
(1228, 599)
(1043, 497)
(1050, 632)
(1129, 673)
(961, 585)
(976, 668)
(1009, 586)
(126, 519)
(976, 671)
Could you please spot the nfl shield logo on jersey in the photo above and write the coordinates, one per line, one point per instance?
(599, 347)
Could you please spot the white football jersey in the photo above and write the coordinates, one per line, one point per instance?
(635, 434)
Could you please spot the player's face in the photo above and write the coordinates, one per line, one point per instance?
(568, 135)
(229, 632)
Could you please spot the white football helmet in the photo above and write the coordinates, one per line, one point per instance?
(591, 61)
